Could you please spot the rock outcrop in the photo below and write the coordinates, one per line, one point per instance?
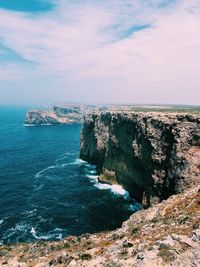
(153, 155)
(59, 115)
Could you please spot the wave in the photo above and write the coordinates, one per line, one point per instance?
(134, 207)
(42, 124)
(75, 162)
(29, 125)
(90, 166)
(37, 188)
(78, 162)
(29, 213)
(1, 221)
(71, 153)
(91, 173)
(37, 175)
(51, 235)
(57, 166)
(92, 177)
(60, 159)
(19, 229)
(116, 189)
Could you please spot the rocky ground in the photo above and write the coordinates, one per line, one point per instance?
(167, 234)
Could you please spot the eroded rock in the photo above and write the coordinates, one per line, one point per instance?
(152, 155)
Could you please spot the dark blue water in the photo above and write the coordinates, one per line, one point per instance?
(46, 192)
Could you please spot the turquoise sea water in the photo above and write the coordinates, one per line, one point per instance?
(46, 192)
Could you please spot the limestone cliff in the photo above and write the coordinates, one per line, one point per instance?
(153, 155)
(58, 115)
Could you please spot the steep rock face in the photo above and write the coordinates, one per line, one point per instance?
(153, 155)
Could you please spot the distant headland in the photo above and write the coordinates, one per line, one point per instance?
(75, 113)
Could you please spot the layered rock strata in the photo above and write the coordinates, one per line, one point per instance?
(153, 155)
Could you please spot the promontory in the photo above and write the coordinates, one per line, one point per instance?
(156, 157)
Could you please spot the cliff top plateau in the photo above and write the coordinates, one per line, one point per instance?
(74, 113)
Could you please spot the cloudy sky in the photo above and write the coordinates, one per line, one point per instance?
(114, 51)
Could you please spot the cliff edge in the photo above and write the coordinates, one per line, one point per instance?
(166, 235)
(152, 155)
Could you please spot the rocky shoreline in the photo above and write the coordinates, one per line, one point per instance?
(167, 235)
(156, 157)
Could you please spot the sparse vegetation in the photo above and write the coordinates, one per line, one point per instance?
(86, 256)
(166, 253)
(165, 232)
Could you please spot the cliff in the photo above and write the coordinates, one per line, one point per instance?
(166, 235)
(58, 115)
(153, 155)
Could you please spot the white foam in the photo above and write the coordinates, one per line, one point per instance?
(71, 153)
(33, 232)
(60, 237)
(103, 186)
(116, 189)
(90, 166)
(37, 175)
(92, 177)
(42, 237)
(42, 124)
(60, 159)
(135, 207)
(46, 237)
(67, 154)
(92, 171)
(30, 212)
(1, 221)
(119, 190)
(29, 125)
(79, 161)
(75, 162)
(19, 227)
(37, 188)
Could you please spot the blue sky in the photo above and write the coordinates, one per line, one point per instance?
(119, 51)
(27, 5)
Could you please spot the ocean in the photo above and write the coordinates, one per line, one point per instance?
(46, 191)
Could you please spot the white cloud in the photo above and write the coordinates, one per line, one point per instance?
(81, 43)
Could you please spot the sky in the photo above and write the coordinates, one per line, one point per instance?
(98, 51)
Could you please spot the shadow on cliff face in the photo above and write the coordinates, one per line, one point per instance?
(94, 143)
(146, 154)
